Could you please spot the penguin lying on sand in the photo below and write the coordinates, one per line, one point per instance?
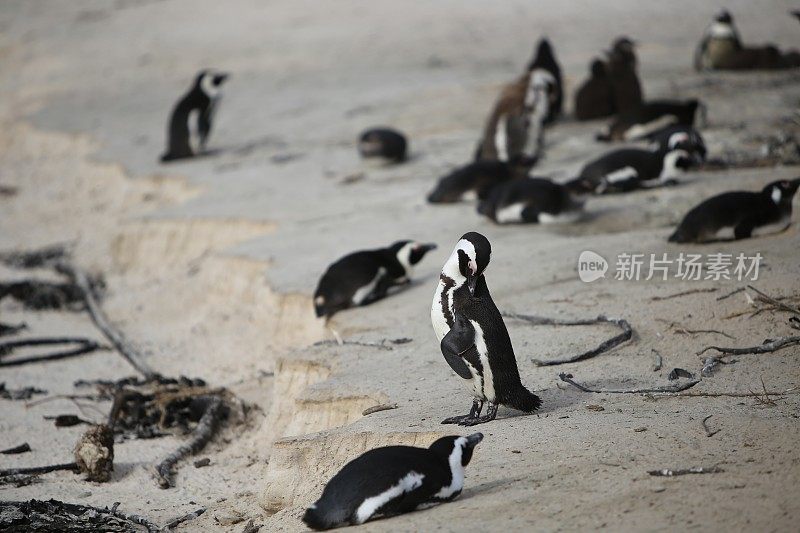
(192, 117)
(474, 180)
(474, 339)
(545, 59)
(385, 143)
(393, 480)
(680, 137)
(514, 131)
(743, 212)
(649, 117)
(364, 277)
(627, 169)
(532, 200)
(721, 48)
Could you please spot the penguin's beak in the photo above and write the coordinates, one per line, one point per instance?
(472, 280)
(474, 439)
(221, 77)
(425, 248)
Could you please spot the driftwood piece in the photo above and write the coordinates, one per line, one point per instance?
(709, 433)
(676, 387)
(205, 430)
(378, 408)
(605, 346)
(769, 346)
(35, 258)
(81, 280)
(94, 453)
(11, 329)
(84, 346)
(38, 469)
(24, 393)
(39, 295)
(666, 472)
(22, 448)
(172, 524)
(55, 516)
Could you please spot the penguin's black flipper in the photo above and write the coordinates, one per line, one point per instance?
(458, 344)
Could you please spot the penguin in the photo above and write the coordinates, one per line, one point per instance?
(680, 137)
(649, 117)
(471, 181)
(721, 48)
(473, 337)
(531, 200)
(626, 89)
(514, 131)
(746, 213)
(385, 143)
(627, 169)
(595, 98)
(545, 59)
(364, 277)
(392, 480)
(193, 116)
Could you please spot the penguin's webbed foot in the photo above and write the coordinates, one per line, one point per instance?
(477, 406)
(491, 414)
(457, 419)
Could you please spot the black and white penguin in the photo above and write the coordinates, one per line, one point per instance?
(383, 143)
(545, 59)
(392, 480)
(472, 181)
(531, 200)
(193, 115)
(627, 169)
(514, 131)
(364, 277)
(595, 98)
(745, 213)
(649, 117)
(626, 89)
(680, 137)
(472, 335)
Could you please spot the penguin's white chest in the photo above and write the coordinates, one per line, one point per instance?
(482, 383)
(442, 299)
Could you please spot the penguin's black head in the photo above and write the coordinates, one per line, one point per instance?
(454, 446)
(409, 253)
(210, 82)
(624, 45)
(544, 56)
(724, 17)
(598, 69)
(474, 254)
(782, 191)
(691, 141)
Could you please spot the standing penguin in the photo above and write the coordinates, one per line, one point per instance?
(627, 169)
(393, 480)
(514, 131)
(384, 143)
(720, 44)
(364, 277)
(595, 98)
(531, 200)
(545, 59)
(193, 115)
(740, 211)
(625, 87)
(472, 335)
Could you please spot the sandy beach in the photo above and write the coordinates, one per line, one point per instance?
(209, 264)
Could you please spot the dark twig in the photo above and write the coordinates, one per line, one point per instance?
(605, 346)
(80, 279)
(676, 387)
(22, 448)
(11, 329)
(769, 299)
(185, 518)
(39, 469)
(730, 394)
(666, 472)
(53, 515)
(709, 433)
(205, 430)
(679, 294)
(728, 295)
(384, 344)
(84, 346)
(378, 408)
(769, 346)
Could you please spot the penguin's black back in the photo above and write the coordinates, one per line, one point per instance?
(507, 383)
(645, 162)
(694, 143)
(373, 473)
(178, 146)
(478, 176)
(684, 111)
(595, 99)
(344, 277)
(726, 210)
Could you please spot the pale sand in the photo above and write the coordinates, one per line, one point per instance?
(209, 263)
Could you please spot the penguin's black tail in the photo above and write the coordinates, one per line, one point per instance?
(524, 400)
(317, 520)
